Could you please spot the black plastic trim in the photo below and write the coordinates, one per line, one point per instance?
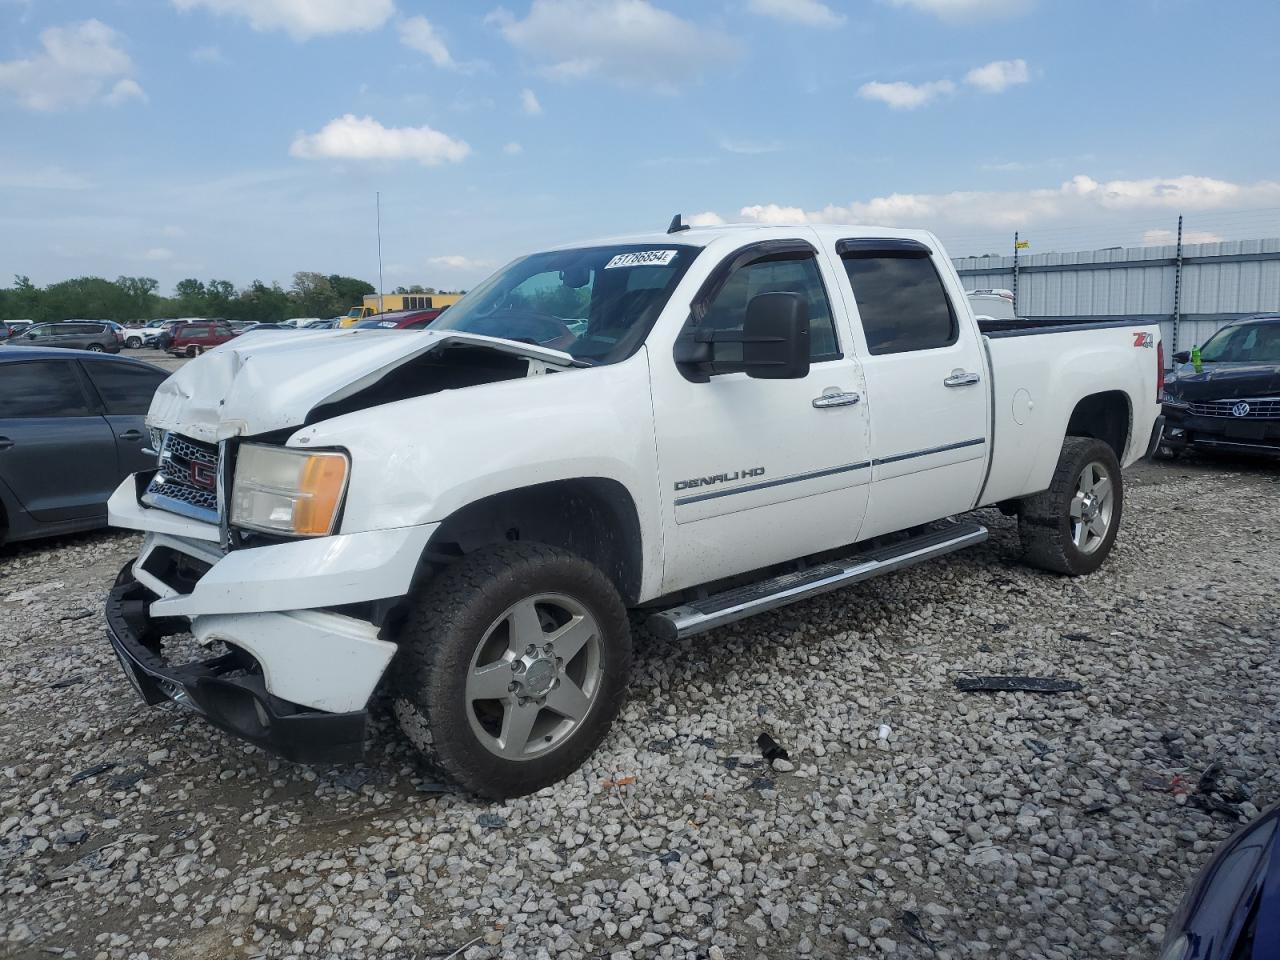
(882, 247)
(898, 457)
(765, 484)
(1034, 330)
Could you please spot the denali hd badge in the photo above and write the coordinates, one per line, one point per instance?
(719, 478)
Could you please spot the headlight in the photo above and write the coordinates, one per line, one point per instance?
(1169, 398)
(282, 490)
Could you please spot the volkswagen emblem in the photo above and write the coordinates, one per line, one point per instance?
(1241, 409)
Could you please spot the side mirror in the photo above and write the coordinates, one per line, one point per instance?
(775, 337)
(773, 343)
(1182, 356)
(31, 336)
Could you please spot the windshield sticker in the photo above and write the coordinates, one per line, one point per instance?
(642, 258)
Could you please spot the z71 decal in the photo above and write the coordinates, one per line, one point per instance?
(1143, 339)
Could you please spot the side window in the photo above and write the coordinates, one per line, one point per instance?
(43, 332)
(902, 303)
(124, 388)
(41, 388)
(787, 274)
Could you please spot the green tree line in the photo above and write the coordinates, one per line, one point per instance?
(136, 298)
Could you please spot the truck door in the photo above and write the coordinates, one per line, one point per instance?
(925, 384)
(757, 471)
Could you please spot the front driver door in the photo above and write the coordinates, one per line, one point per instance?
(754, 472)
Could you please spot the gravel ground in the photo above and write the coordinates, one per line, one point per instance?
(911, 819)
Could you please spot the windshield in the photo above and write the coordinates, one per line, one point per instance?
(1247, 343)
(594, 303)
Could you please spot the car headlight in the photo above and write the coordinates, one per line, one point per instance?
(1169, 398)
(281, 490)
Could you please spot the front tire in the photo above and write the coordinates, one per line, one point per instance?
(513, 663)
(133, 343)
(1071, 527)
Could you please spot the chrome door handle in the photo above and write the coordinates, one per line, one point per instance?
(961, 378)
(131, 435)
(835, 398)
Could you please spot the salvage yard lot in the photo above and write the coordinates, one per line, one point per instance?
(985, 825)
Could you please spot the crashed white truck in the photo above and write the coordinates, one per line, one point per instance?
(701, 425)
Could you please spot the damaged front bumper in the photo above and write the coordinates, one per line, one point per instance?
(227, 690)
(297, 673)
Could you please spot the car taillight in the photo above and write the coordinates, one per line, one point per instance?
(119, 336)
(1159, 370)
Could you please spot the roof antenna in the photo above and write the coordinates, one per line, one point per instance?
(676, 225)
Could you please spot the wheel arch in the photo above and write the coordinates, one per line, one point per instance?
(1105, 416)
(593, 517)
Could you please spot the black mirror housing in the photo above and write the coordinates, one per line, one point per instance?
(775, 337)
(1182, 356)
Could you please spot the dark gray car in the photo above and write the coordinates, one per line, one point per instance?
(71, 428)
(96, 335)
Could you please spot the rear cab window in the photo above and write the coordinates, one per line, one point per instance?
(902, 303)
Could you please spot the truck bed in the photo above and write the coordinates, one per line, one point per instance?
(1022, 327)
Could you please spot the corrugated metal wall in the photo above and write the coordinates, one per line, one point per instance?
(1220, 281)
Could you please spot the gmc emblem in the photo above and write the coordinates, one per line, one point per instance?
(203, 476)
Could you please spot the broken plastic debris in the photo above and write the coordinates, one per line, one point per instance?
(770, 749)
(882, 733)
(93, 771)
(618, 782)
(1020, 684)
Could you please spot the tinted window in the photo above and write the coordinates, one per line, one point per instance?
(124, 388)
(41, 332)
(791, 275)
(901, 302)
(41, 388)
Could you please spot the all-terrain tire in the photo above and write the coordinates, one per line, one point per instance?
(1045, 522)
(439, 641)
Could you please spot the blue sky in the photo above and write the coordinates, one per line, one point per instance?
(244, 139)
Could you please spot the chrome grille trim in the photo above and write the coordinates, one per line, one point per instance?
(172, 487)
(1260, 408)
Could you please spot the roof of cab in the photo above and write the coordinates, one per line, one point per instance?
(744, 232)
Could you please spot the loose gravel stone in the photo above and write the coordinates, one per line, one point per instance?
(1000, 825)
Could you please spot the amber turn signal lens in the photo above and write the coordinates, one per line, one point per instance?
(323, 478)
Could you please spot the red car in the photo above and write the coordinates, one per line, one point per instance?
(400, 320)
(193, 339)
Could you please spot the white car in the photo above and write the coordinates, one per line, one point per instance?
(729, 419)
(299, 322)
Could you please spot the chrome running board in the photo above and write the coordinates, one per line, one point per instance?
(741, 602)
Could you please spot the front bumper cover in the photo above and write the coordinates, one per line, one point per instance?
(226, 690)
(1185, 429)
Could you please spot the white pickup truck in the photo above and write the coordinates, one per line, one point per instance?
(700, 424)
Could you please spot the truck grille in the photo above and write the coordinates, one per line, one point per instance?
(187, 480)
(1261, 408)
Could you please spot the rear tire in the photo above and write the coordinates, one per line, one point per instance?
(1071, 527)
(513, 664)
(94, 348)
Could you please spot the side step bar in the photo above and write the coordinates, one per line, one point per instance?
(742, 602)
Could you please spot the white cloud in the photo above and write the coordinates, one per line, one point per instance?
(512, 149)
(708, 218)
(529, 102)
(302, 19)
(125, 90)
(208, 54)
(750, 146)
(456, 261)
(810, 13)
(79, 64)
(44, 178)
(1157, 238)
(417, 33)
(157, 254)
(901, 95)
(631, 42)
(362, 138)
(1080, 199)
(998, 76)
(967, 10)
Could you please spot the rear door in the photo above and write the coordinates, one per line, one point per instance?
(925, 383)
(57, 455)
(125, 390)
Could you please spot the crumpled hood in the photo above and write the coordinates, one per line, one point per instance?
(1224, 381)
(271, 380)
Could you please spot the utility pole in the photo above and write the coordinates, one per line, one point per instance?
(1015, 273)
(1177, 288)
(378, 197)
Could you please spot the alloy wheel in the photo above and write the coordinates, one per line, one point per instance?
(1092, 507)
(534, 676)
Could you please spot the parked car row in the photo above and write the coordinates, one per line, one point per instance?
(99, 336)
